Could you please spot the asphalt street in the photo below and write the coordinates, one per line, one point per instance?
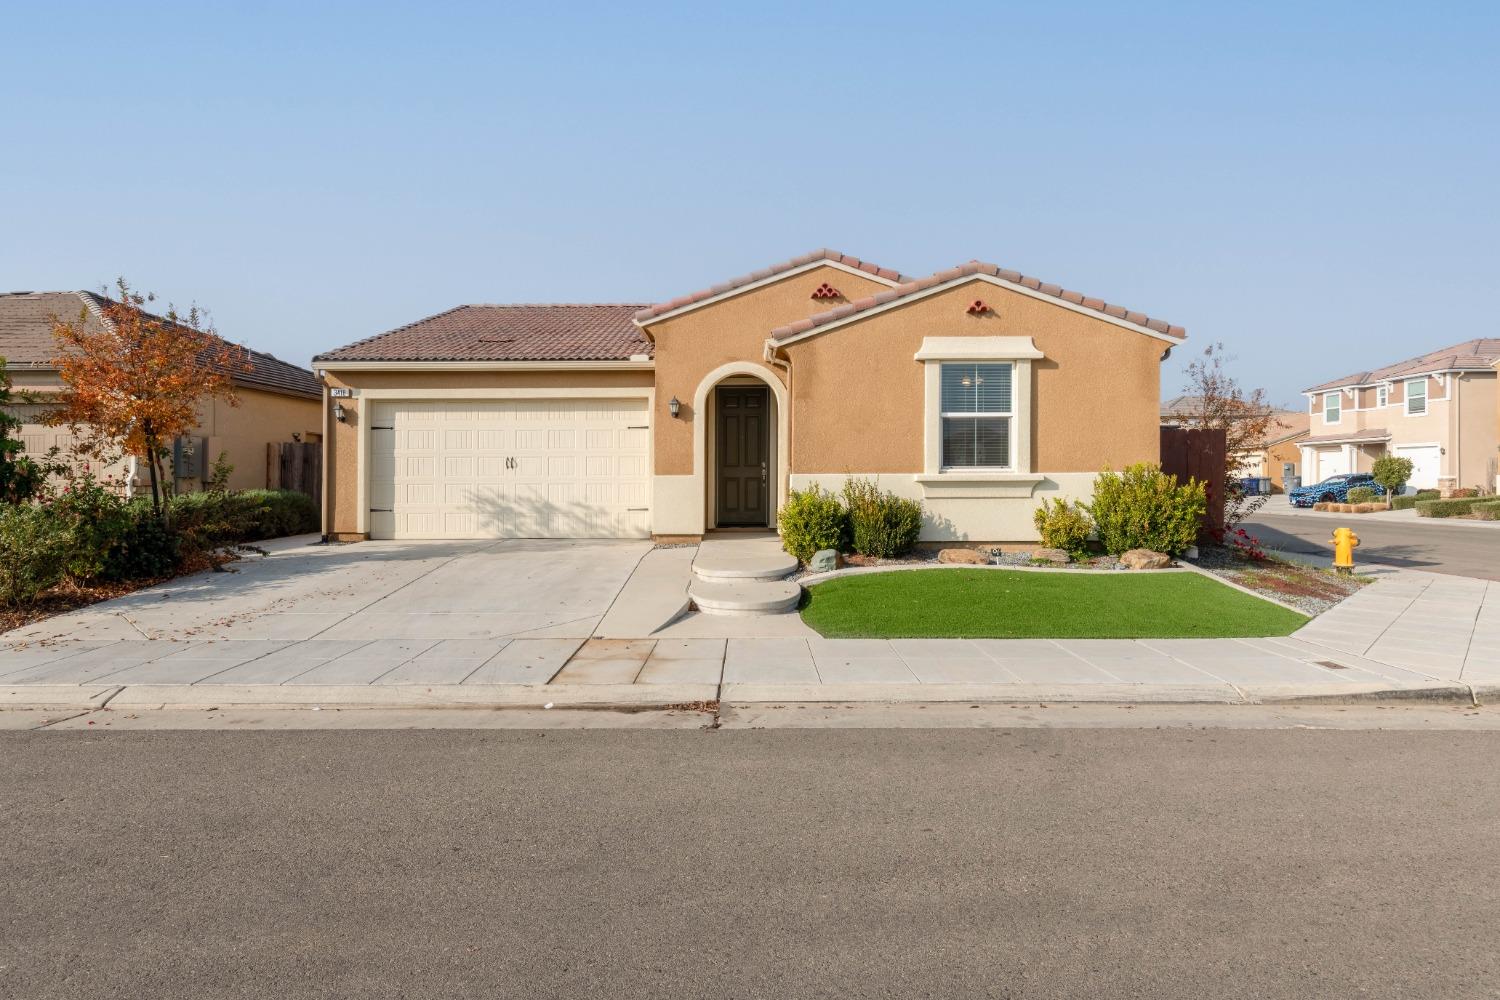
(1461, 549)
(771, 863)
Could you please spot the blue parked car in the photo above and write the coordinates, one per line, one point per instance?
(1334, 489)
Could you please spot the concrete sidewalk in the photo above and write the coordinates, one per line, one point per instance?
(1407, 635)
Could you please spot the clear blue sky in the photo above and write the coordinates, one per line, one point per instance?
(1313, 184)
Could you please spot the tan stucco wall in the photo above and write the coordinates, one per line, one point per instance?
(1475, 434)
(242, 432)
(693, 344)
(340, 456)
(858, 393)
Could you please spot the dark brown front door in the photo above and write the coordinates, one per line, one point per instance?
(743, 447)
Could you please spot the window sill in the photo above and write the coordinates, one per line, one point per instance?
(979, 485)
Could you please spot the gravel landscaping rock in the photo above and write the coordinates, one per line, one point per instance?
(1311, 591)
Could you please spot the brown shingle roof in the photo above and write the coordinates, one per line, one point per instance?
(1472, 355)
(651, 312)
(26, 339)
(507, 333)
(974, 267)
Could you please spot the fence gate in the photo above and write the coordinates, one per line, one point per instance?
(1199, 453)
(297, 465)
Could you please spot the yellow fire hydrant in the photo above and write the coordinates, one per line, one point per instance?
(1344, 542)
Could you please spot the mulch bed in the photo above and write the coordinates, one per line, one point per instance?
(67, 597)
(1307, 588)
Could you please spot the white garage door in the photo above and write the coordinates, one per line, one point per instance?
(515, 468)
(1426, 464)
(1331, 463)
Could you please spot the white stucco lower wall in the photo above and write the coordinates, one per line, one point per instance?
(677, 506)
(968, 518)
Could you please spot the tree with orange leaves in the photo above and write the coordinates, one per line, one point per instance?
(136, 381)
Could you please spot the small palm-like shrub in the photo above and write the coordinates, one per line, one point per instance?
(1064, 525)
(1145, 508)
(811, 520)
(880, 523)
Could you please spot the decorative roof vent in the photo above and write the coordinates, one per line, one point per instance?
(827, 291)
(977, 308)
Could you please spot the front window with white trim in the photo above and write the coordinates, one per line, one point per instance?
(1382, 395)
(1416, 397)
(1332, 401)
(977, 414)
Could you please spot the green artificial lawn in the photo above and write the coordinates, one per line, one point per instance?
(1013, 604)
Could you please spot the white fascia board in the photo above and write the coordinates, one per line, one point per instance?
(778, 276)
(471, 366)
(989, 279)
(977, 349)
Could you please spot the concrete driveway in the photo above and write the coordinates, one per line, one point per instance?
(374, 590)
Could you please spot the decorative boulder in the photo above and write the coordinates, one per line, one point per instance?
(1054, 557)
(1145, 559)
(967, 557)
(823, 561)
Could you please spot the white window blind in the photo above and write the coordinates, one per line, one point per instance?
(977, 409)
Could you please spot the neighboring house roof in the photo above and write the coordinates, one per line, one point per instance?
(824, 254)
(1289, 425)
(1192, 406)
(1480, 354)
(1368, 434)
(973, 268)
(508, 333)
(26, 339)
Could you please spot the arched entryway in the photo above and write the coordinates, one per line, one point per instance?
(740, 445)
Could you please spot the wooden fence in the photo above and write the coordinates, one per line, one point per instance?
(1198, 453)
(296, 465)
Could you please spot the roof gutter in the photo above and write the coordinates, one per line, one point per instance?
(639, 363)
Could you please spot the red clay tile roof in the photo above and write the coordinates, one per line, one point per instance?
(26, 339)
(507, 333)
(972, 268)
(1472, 355)
(651, 312)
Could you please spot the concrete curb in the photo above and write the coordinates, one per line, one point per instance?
(1243, 589)
(159, 696)
(1352, 694)
(56, 697)
(1170, 694)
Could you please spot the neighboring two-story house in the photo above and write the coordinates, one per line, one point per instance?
(1438, 409)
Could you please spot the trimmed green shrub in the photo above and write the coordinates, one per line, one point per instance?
(1487, 510)
(1064, 526)
(1446, 508)
(1362, 494)
(282, 513)
(1145, 508)
(34, 550)
(812, 520)
(96, 518)
(1410, 500)
(880, 523)
(146, 550)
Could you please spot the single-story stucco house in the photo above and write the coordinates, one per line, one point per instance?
(278, 401)
(977, 390)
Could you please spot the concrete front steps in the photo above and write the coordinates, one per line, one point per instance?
(744, 575)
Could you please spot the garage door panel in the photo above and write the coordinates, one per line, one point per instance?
(511, 468)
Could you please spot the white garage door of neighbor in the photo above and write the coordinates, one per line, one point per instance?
(1331, 463)
(1426, 464)
(513, 468)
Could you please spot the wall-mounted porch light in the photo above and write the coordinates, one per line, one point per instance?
(339, 413)
(674, 407)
